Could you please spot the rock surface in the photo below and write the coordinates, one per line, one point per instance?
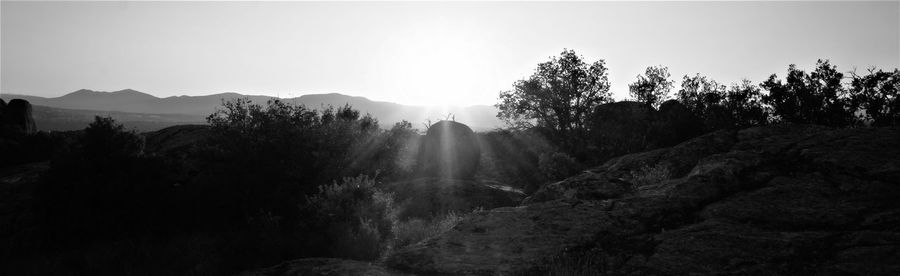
(322, 266)
(427, 197)
(783, 200)
(449, 150)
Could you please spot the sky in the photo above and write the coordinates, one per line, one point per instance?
(420, 53)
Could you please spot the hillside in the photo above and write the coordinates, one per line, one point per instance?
(141, 108)
(775, 200)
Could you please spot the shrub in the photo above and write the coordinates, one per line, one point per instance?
(557, 165)
(513, 156)
(267, 158)
(354, 217)
(103, 186)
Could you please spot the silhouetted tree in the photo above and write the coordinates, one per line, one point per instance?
(559, 96)
(703, 96)
(817, 97)
(719, 107)
(874, 97)
(743, 102)
(653, 87)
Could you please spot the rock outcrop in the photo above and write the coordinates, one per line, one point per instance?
(427, 197)
(449, 150)
(16, 116)
(784, 200)
(322, 266)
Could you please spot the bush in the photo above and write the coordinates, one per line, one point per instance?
(354, 218)
(19, 148)
(557, 165)
(267, 158)
(513, 156)
(104, 186)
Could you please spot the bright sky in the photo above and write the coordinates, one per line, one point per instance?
(431, 53)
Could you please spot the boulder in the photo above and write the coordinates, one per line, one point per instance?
(449, 150)
(16, 116)
(621, 127)
(783, 200)
(627, 127)
(674, 123)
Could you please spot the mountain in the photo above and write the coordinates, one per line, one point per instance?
(195, 108)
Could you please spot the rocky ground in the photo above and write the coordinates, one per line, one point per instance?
(783, 200)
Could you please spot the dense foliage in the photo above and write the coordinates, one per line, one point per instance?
(105, 186)
(564, 102)
(824, 96)
(268, 183)
(653, 87)
(559, 96)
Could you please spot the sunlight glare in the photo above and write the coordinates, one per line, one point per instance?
(435, 64)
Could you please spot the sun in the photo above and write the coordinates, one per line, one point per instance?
(436, 66)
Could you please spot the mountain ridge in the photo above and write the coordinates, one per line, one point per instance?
(480, 117)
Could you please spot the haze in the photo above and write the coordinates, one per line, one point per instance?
(430, 53)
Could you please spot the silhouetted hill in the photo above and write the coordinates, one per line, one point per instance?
(480, 117)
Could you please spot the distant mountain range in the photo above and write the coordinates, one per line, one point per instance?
(146, 112)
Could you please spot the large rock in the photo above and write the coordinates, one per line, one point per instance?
(621, 127)
(449, 150)
(674, 124)
(782, 200)
(16, 116)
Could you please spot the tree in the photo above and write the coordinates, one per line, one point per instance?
(559, 96)
(744, 103)
(874, 97)
(719, 107)
(814, 98)
(699, 93)
(653, 87)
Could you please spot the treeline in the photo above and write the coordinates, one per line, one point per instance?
(823, 96)
(563, 99)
